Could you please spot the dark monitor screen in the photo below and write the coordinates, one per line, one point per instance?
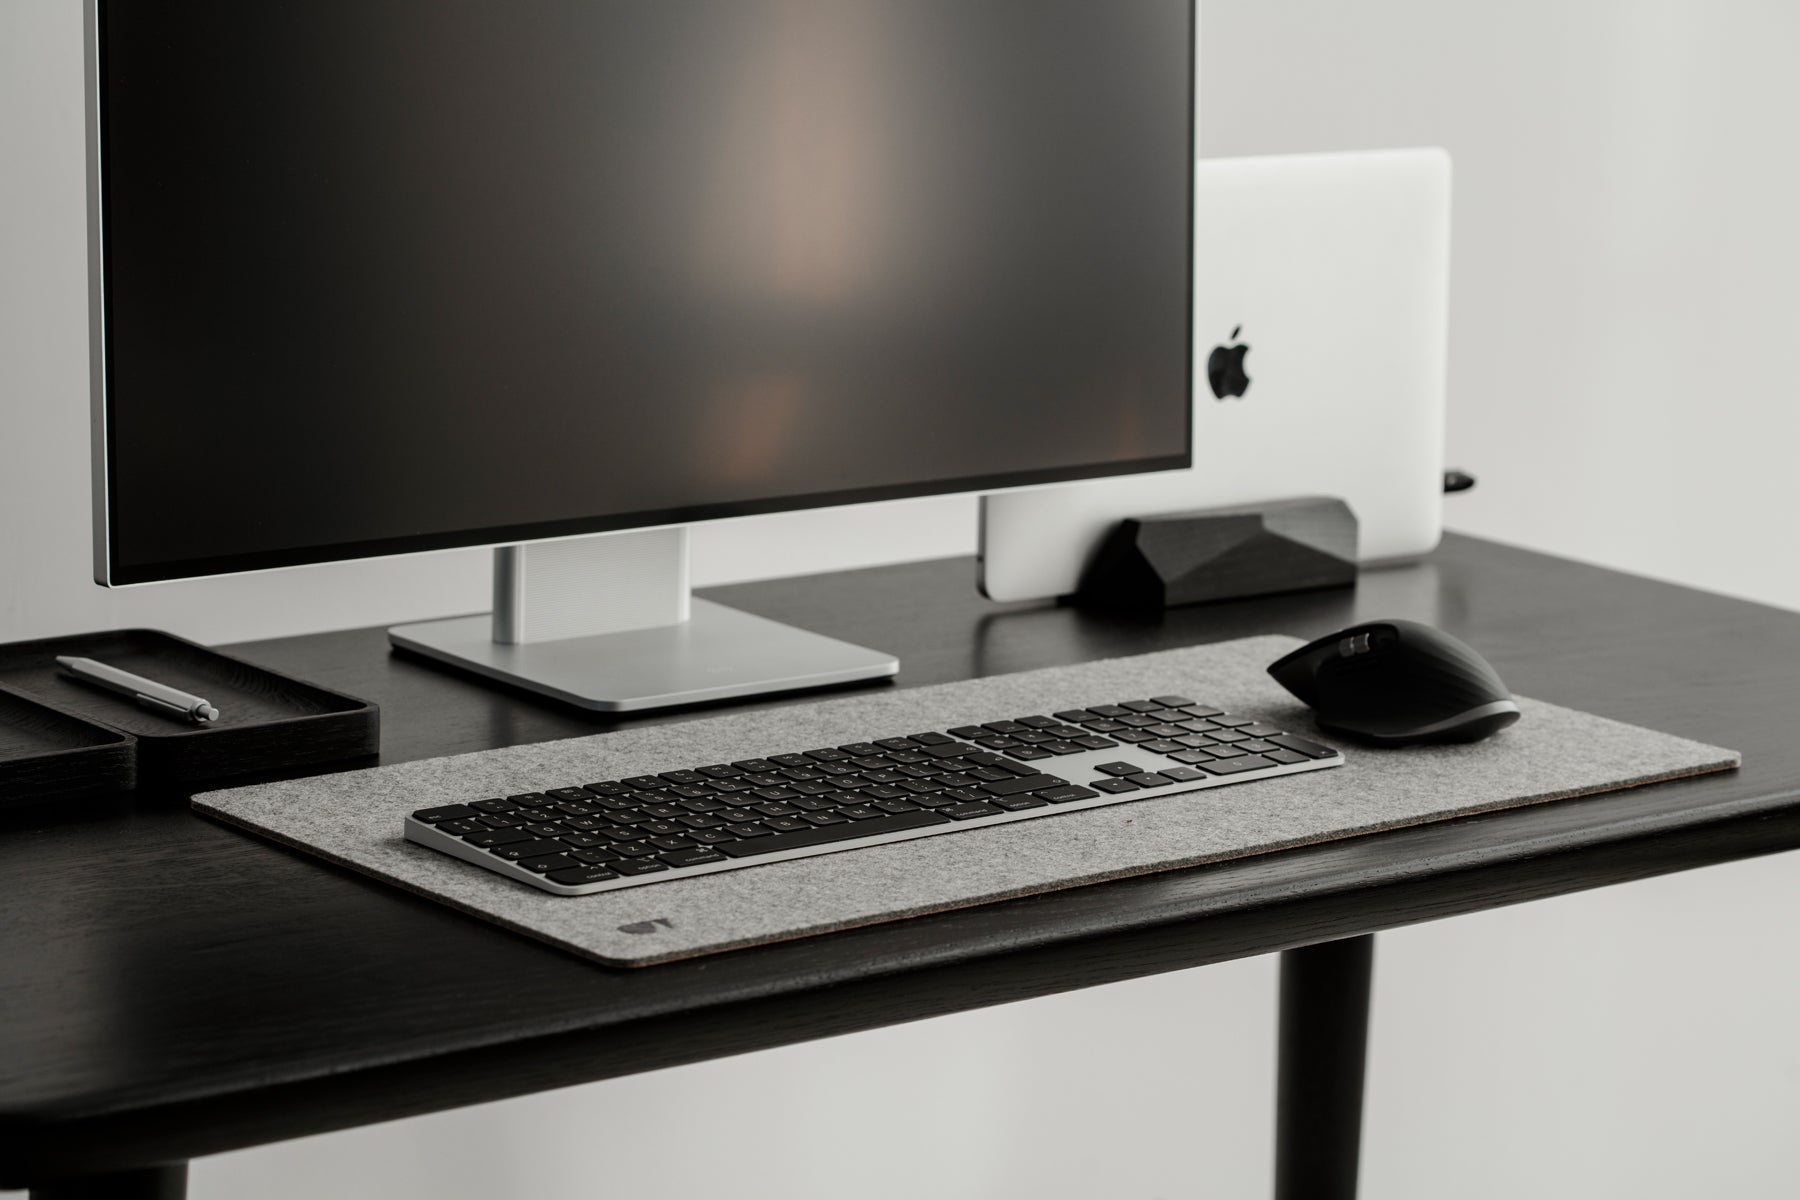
(394, 275)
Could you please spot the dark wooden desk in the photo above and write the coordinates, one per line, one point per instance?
(172, 988)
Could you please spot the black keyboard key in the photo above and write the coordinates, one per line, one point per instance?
(692, 858)
(632, 849)
(1299, 745)
(671, 843)
(1142, 706)
(949, 749)
(1093, 741)
(1138, 721)
(1015, 803)
(1280, 756)
(1075, 716)
(1107, 726)
(494, 806)
(968, 812)
(827, 755)
(711, 837)
(570, 793)
(444, 812)
(1029, 752)
(529, 799)
(790, 760)
(1225, 737)
(748, 829)
(824, 818)
(592, 856)
(1163, 746)
(1028, 783)
(1133, 735)
(859, 812)
(722, 771)
(497, 837)
(1183, 774)
(1108, 710)
(946, 799)
(581, 841)
(1150, 779)
(775, 793)
(528, 849)
(1230, 722)
(754, 766)
(660, 827)
(775, 810)
(582, 874)
(787, 824)
(499, 821)
(860, 749)
(548, 862)
(1236, 766)
(1256, 746)
(896, 806)
(550, 830)
(1118, 768)
(1037, 722)
(642, 782)
(1004, 727)
(462, 828)
(609, 788)
(1060, 747)
(1223, 751)
(1202, 711)
(897, 743)
(1115, 785)
(638, 866)
(1066, 793)
(1171, 701)
(834, 833)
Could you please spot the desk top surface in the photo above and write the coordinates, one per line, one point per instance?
(175, 988)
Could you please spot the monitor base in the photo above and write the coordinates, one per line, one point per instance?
(718, 653)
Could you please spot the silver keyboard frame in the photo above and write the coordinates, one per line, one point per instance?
(1076, 768)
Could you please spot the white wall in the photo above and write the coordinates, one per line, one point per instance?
(1625, 319)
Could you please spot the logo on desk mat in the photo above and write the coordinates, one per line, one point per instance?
(1225, 369)
(647, 926)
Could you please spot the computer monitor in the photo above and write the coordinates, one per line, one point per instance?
(373, 277)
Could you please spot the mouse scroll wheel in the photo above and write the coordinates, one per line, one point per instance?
(1353, 645)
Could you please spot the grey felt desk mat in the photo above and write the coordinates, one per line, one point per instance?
(355, 818)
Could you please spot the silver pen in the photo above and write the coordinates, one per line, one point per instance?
(157, 697)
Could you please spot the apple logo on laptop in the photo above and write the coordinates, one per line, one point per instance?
(1225, 369)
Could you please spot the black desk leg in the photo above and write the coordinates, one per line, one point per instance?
(1319, 1080)
(146, 1183)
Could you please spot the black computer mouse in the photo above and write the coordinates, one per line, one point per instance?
(1397, 683)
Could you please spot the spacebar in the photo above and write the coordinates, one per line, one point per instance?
(751, 847)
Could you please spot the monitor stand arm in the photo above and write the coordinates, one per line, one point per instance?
(608, 623)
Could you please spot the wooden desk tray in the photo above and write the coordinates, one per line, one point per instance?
(47, 755)
(268, 721)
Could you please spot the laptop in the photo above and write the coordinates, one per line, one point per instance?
(1321, 286)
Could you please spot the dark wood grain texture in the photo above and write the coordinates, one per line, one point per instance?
(176, 988)
(51, 757)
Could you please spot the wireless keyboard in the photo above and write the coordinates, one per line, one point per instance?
(619, 833)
